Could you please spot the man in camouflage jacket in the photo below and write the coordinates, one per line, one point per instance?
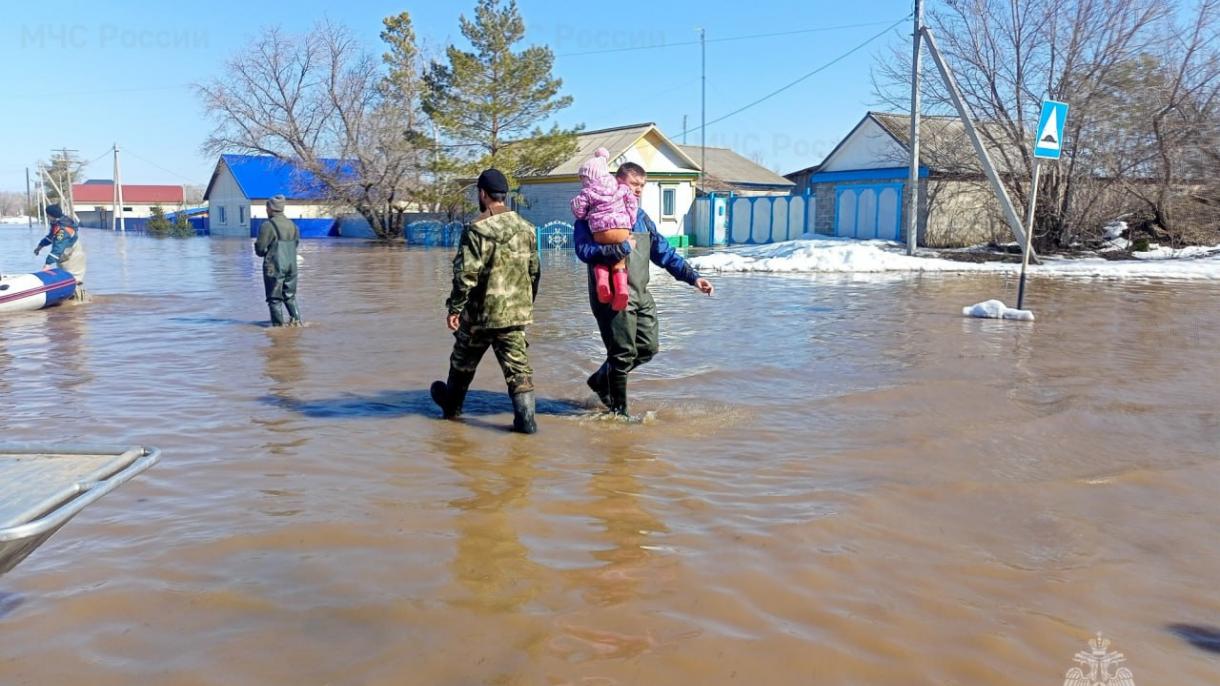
(495, 281)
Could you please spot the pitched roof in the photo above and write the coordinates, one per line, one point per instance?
(262, 176)
(944, 145)
(727, 169)
(812, 169)
(617, 140)
(102, 192)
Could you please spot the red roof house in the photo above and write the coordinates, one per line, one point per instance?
(133, 194)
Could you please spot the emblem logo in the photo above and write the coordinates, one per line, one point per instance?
(1097, 665)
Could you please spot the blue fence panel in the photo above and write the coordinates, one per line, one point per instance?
(309, 228)
(433, 233)
(754, 220)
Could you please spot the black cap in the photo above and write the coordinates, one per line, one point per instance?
(54, 212)
(493, 181)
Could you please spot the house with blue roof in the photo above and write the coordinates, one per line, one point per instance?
(241, 184)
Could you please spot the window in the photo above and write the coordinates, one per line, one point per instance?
(241, 215)
(669, 201)
(222, 215)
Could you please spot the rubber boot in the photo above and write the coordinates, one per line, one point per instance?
(601, 277)
(451, 395)
(599, 385)
(277, 314)
(294, 316)
(619, 302)
(616, 385)
(523, 413)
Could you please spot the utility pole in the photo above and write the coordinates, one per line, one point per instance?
(42, 195)
(29, 221)
(684, 129)
(913, 177)
(65, 193)
(702, 107)
(997, 186)
(118, 193)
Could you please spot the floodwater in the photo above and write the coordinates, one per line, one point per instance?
(839, 480)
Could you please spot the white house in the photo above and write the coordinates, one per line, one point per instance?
(861, 186)
(667, 198)
(241, 184)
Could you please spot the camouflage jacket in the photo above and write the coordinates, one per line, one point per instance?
(495, 273)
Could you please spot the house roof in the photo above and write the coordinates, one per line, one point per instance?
(943, 143)
(262, 176)
(813, 169)
(617, 140)
(727, 170)
(102, 192)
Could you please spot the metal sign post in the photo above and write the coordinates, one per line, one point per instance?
(1029, 233)
(1047, 145)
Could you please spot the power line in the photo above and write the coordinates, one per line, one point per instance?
(727, 39)
(167, 171)
(785, 87)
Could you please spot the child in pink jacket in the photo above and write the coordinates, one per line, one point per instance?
(610, 208)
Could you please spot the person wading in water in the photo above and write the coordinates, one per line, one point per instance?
(495, 282)
(277, 245)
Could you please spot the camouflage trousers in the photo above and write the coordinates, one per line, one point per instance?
(512, 352)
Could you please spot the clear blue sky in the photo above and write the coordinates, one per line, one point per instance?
(84, 75)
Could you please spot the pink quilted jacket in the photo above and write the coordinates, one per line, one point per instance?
(605, 204)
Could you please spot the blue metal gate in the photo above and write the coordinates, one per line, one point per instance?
(869, 211)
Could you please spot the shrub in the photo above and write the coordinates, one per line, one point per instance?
(182, 227)
(158, 225)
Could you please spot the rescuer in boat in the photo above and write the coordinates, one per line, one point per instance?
(67, 253)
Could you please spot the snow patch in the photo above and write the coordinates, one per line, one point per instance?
(842, 255)
(996, 309)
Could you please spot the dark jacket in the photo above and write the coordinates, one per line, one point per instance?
(663, 254)
(266, 233)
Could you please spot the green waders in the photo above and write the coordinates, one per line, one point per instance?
(512, 352)
(630, 336)
(280, 278)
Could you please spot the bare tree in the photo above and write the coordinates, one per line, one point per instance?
(1171, 99)
(1009, 55)
(192, 194)
(319, 101)
(12, 203)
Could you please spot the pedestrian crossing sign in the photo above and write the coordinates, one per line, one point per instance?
(1049, 142)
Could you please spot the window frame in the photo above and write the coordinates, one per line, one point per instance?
(673, 210)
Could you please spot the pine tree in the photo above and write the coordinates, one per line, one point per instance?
(489, 103)
(158, 225)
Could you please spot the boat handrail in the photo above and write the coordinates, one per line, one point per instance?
(90, 491)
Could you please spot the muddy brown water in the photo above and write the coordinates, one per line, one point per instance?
(839, 480)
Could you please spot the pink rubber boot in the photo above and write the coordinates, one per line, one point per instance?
(619, 302)
(601, 277)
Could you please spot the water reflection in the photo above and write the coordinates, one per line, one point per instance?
(491, 561)
(627, 525)
(284, 368)
(282, 360)
(67, 348)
